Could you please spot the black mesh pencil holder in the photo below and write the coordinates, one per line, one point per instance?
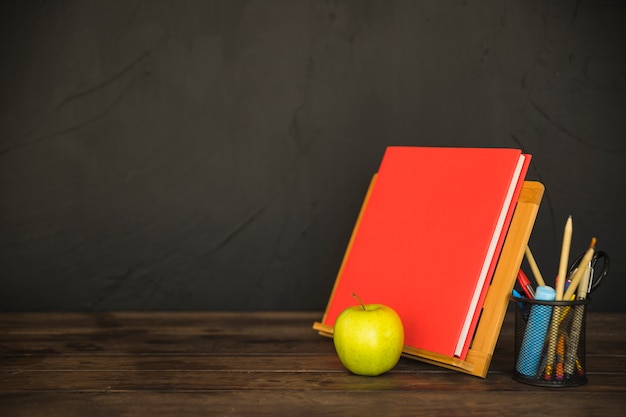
(550, 342)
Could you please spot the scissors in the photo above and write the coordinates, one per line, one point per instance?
(595, 279)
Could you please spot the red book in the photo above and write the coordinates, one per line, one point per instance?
(428, 239)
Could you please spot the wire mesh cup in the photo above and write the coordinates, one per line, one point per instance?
(550, 342)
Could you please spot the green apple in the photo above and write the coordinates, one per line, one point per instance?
(368, 338)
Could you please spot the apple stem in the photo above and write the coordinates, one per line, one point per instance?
(359, 300)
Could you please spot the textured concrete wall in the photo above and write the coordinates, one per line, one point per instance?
(214, 154)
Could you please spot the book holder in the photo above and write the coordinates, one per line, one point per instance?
(496, 301)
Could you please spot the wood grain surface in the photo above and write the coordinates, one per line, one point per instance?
(173, 364)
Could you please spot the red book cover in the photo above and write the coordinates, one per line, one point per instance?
(428, 239)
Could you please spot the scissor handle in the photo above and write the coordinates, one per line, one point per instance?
(606, 264)
(596, 279)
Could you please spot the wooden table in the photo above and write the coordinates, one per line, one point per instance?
(258, 364)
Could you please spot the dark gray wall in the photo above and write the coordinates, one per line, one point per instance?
(214, 154)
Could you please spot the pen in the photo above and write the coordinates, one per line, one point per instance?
(527, 288)
(568, 281)
(524, 307)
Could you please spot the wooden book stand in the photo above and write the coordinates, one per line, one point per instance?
(494, 308)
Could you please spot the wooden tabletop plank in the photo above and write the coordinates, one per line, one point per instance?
(164, 322)
(425, 403)
(119, 344)
(326, 361)
(164, 380)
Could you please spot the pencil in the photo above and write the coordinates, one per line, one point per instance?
(567, 240)
(582, 267)
(534, 268)
(560, 285)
